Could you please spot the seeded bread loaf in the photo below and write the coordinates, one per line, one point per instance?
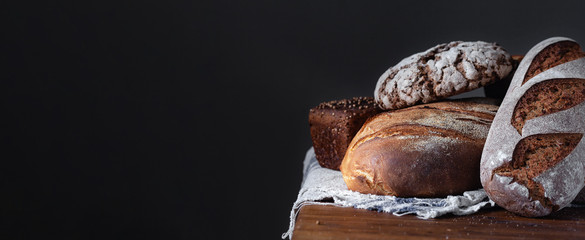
(333, 125)
(533, 159)
(440, 72)
(430, 150)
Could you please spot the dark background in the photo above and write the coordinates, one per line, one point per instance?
(188, 119)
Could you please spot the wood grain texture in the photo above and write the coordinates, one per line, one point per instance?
(330, 222)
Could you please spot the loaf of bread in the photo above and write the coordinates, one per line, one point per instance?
(333, 124)
(430, 150)
(533, 160)
(440, 72)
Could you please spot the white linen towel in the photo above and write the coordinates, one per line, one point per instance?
(326, 187)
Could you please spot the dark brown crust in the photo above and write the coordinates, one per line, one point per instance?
(404, 173)
(548, 97)
(535, 154)
(535, 175)
(553, 55)
(351, 104)
(434, 89)
(407, 159)
(333, 125)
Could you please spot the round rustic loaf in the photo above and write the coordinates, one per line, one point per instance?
(430, 150)
(533, 159)
(440, 72)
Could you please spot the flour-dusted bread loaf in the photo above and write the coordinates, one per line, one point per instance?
(440, 72)
(333, 124)
(534, 156)
(430, 150)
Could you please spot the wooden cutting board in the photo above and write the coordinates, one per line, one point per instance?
(330, 222)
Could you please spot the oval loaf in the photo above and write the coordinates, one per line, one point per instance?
(533, 159)
(430, 150)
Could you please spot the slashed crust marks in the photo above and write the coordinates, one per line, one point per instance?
(547, 97)
(553, 55)
(535, 154)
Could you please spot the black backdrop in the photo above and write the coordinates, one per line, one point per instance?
(188, 120)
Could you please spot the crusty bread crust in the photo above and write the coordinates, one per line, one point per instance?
(532, 162)
(440, 72)
(548, 97)
(430, 150)
(333, 124)
(553, 55)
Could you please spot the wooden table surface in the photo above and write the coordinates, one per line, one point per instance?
(330, 222)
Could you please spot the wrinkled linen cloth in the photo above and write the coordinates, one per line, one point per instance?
(324, 186)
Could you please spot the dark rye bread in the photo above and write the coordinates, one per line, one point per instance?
(553, 55)
(548, 97)
(533, 159)
(440, 72)
(534, 155)
(333, 125)
(430, 150)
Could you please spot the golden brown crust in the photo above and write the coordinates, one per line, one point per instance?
(432, 150)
